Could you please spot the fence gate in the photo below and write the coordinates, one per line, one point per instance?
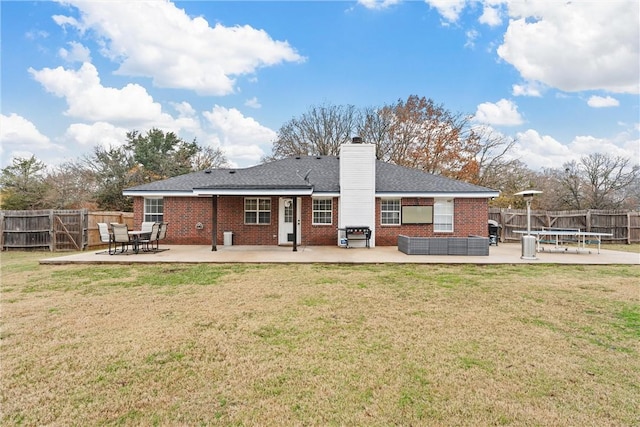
(56, 230)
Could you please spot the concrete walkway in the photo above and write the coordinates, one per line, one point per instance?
(505, 253)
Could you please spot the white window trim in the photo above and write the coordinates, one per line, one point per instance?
(145, 213)
(439, 203)
(399, 211)
(313, 211)
(257, 211)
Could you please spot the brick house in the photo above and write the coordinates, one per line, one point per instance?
(321, 195)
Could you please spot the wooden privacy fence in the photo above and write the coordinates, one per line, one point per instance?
(55, 230)
(624, 225)
(44, 229)
(108, 218)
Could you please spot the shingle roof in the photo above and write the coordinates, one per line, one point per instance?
(322, 174)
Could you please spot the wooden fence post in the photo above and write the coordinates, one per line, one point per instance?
(52, 232)
(1, 231)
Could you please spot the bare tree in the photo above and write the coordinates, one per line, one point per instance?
(319, 131)
(374, 129)
(597, 181)
(514, 177)
(208, 158)
(416, 133)
(606, 179)
(492, 157)
(71, 186)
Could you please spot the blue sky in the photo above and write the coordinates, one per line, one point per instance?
(563, 78)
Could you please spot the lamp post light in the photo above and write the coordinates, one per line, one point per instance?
(528, 241)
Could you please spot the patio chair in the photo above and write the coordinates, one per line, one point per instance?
(147, 226)
(120, 235)
(105, 235)
(162, 233)
(152, 236)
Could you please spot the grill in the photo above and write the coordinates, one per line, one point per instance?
(494, 232)
(357, 232)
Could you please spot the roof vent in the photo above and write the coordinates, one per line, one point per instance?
(207, 171)
(356, 140)
(232, 171)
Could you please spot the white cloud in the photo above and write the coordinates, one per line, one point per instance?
(77, 53)
(586, 144)
(491, 16)
(175, 50)
(543, 151)
(20, 138)
(471, 35)
(253, 103)
(575, 46)
(378, 4)
(602, 101)
(100, 133)
(501, 113)
(184, 109)
(243, 139)
(527, 89)
(88, 100)
(108, 113)
(449, 9)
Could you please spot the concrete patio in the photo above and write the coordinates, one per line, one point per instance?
(505, 253)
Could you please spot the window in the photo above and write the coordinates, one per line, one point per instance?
(390, 212)
(153, 210)
(322, 211)
(257, 211)
(443, 215)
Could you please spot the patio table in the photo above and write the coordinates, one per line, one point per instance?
(135, 236)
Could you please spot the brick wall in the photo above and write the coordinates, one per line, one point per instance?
(387, 235)
(469, 218)
(231, 218)
(184, 213)
(319, 235)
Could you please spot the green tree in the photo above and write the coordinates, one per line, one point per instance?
(161, 155)
(142, 159)
(23, 184)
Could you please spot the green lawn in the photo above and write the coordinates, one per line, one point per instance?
(372, 345)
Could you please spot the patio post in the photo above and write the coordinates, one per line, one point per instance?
(214, 223)
(295, 224)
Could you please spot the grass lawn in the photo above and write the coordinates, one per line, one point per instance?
(373, 345)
